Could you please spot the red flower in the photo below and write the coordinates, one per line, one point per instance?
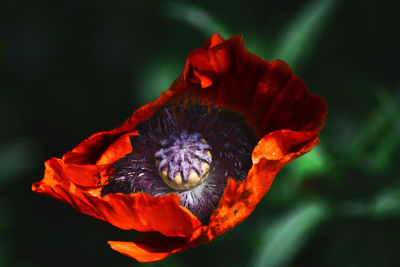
(284, 117)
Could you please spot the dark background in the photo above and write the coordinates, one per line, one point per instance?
(73, 68)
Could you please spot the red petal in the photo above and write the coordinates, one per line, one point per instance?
(89, 175)
(294, 108)
(138, 211)
(214, 40)
(266, 92)
(149, 247)
(90, 150)
(276, 104)
(117, 150)
(269, 156)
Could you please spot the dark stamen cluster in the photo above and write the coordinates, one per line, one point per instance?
(176, 126)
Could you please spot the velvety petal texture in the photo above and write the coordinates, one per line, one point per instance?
(285, 117)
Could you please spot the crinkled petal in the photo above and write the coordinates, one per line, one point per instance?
(92, 149)
(117, 149)
(277, 105)
(269, 156)
(267, 93)
(231, 72)
(93, 175)
(138, 211)
(149, 247)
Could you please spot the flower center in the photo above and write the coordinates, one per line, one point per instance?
(184, 160)
(171, 155)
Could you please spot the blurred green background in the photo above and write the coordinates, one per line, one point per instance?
(71, 68)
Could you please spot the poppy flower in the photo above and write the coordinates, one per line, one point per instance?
(194, 163)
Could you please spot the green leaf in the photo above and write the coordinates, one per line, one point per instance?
(386, 205)
(376, 140)
(390, 105)
(282, 239)
(302, 33)
(388, 142)
(314, 163)
(385, 148)
(195, 17)
(157, 77)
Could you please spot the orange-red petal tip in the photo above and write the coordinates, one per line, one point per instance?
(151, 246)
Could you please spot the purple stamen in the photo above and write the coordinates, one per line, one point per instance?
(182, 153)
